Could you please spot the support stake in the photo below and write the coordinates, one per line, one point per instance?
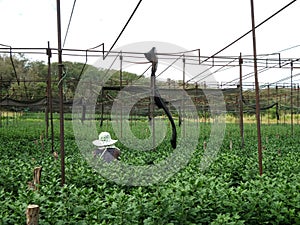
(292, 125)
(61, 99)
(256, 91)
(241, 102)
(32, 215)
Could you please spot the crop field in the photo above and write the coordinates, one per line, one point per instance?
(100, 127)
(230, 191)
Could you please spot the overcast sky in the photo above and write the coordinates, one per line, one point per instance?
(191, 24)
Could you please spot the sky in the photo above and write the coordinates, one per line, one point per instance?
(191, 24)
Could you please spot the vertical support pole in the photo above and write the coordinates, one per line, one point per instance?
(47, 95)
(280, 98)
(49, 99)
(277, 103)
(268, 104)
(198, 99)
(259, 147)
(61, 99)
(7, 110)
(284, 122)
(151, 57)
(121, 84)
(152, 105)
(297, 104)
(236, 108)
(261, 115)
(241, 102)
(102, 106)
(1, 83)
(183, 72)
(182, 101)
(291, 100)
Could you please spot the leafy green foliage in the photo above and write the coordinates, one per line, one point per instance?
(229, 192)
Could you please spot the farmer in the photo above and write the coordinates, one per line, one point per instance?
(106, 148)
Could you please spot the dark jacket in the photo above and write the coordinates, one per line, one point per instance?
(108, 154)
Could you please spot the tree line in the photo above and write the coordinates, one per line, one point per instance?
(26, 80)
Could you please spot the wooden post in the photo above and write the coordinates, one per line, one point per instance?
(241, 101)
(48, 91)
(1, 83)
(121, 84)
(297, 104)
(256, 92)
(291, 100)
(37, 177)
(268, 104)
(182, 101)
(55, 155)
(61, 95)
(102, 105)
(32, 215)
(279, 104)
(284, 108)
(49, 99)
(152, 104)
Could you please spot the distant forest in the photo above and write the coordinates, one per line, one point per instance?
(26, 80)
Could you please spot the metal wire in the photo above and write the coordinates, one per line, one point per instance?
(248, 32)
(67, 31)
(113, 45)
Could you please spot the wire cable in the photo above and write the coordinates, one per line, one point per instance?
(216, 70)
(67, 31)
(248, 32)
(169, 66)
(113, 45)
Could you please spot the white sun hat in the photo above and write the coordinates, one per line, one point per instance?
(104, 140)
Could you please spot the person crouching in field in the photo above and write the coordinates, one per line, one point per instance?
(106, 148)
